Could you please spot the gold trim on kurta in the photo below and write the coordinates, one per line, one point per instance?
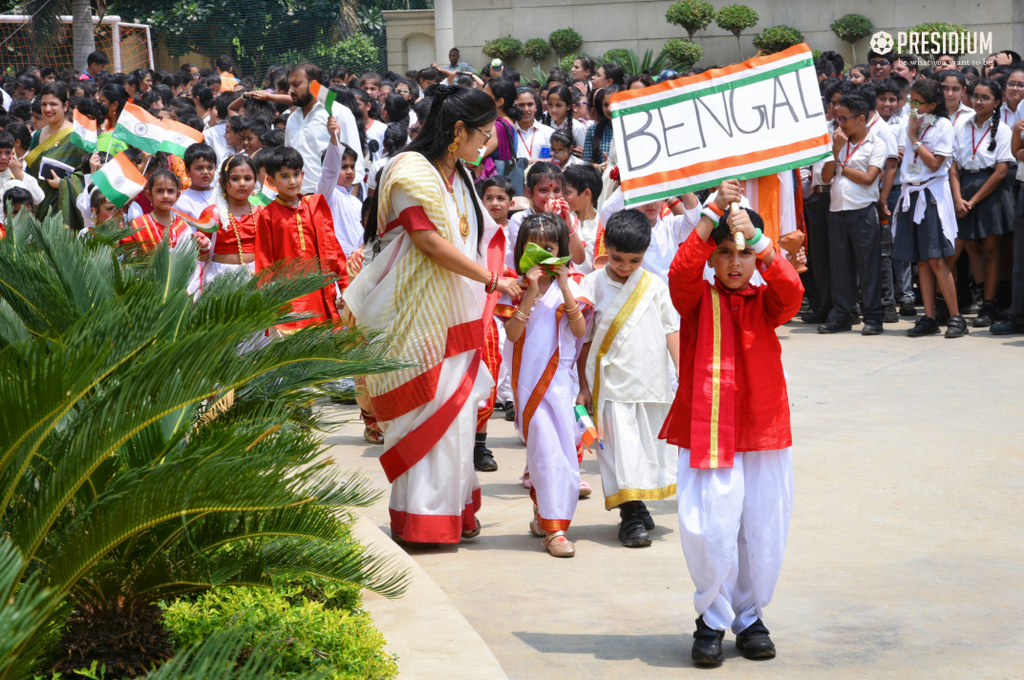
(616, 325)
(716, 375)
(627, 495)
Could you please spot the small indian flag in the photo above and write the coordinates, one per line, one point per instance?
(262, 197)
(207, 221)
(119, 180)
(137, 128)
(179, 137)
(84, 134)
(324, 95)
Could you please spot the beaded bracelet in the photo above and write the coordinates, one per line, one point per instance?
(493, 285)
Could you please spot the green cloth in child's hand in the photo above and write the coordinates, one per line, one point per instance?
(533, 255)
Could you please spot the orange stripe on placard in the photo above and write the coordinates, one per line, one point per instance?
(627, 95)
(708, 166)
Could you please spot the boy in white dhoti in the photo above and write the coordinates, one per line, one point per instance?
(625, 377)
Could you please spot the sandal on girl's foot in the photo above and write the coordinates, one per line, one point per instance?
(467, 535)
(585, 490)
(558, 545)
(372, 434)
(535, 525)
(525, 479)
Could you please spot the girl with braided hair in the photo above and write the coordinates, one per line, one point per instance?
(981, 189)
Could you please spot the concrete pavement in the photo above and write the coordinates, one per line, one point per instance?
(905, 552)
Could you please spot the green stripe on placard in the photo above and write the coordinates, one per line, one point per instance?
(113, 195)
(750, 174)
(714, 89)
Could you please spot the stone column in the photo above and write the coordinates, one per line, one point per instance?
(444, 30)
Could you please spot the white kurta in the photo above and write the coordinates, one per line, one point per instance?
(634, 392)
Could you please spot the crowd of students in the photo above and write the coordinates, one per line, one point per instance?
(460, 194)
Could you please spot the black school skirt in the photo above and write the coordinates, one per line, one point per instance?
(924, 241)
(991, 217)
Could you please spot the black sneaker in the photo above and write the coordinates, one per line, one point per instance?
(483, 459)
(1008, 327)
(835, 326)
(510, 411)
(957, 327)
(631, 530)
(645, 515)
(890, 315)
(707, 644)
(871, 328)
(926, 325)
(907, 309)
(974, 307)
(984, 318)
(755, 643)
(814, 316)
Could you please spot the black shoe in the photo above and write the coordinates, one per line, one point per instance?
(755, 642)
(835, 326)
(814, 316)
(645, 515)
(957, 327)
(907, 309)
(890, 315)
(926, 325)
(871, 328)
(1008, 327)
(707, 644)
(510, 411)
(631, 530)
(854, 319)
(984, 318)
(974, 307)
(483, 459)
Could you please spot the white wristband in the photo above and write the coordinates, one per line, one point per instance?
(763, 244)
(711, 215)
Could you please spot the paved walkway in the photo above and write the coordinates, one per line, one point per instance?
(906, 546)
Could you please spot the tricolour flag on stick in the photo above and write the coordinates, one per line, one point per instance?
(179, 137)
(324, 95)
(207, 221)
(119, 180)
(137, 128)
(747, 120)
(84, 134)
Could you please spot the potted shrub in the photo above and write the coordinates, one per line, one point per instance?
(736, 19)
(777, 38)
(506, 49)
(682, 53)
(851, 28)
(939, 27)
(693, 15)
(536, 50)
(565, 41)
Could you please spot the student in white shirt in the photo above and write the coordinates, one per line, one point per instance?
(888, 183)
(201, 166)
(953, 87)
(346, 210)
(924, 221)
(560, 100)
(981, 188)
(531, 135)
(858, 156)
(1013, 89)
(12, 172)
(374, 128)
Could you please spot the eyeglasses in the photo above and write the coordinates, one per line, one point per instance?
(487, 135)
(1015, 86)
(402, 91)
(984, 99)
(842, 119)
(878, 62)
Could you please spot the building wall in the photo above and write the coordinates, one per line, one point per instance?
(641, 25)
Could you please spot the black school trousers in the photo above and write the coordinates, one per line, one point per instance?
(855, 252)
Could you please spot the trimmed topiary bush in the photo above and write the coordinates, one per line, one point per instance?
(736, 19)
(536, 50)
(683, 53)
(566, 61)
(693, 15)
(777, 38)
(938, 27)
(506, 49)
(565, 41)
(851, 28)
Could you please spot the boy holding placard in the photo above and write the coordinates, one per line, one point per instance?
(625, 378)
(731, 418)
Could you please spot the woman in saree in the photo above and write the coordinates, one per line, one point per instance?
(53, 141)
(429, 287)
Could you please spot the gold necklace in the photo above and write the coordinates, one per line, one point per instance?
(233, 223)
(463, 216)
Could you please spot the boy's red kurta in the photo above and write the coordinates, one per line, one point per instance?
(303, 233)
(761, 403)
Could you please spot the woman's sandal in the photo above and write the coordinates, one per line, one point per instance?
(372, 432)
(559, 548)
(535, 525)
(466, 535)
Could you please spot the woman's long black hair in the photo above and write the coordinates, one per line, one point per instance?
(475, 109)
(596, 155)
(505, 89)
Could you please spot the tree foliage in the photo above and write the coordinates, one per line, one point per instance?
(693, 15)
(536, 50)
(565, 41)
(852, 27)
(682, 53)
(736, 19)
(506, 49)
